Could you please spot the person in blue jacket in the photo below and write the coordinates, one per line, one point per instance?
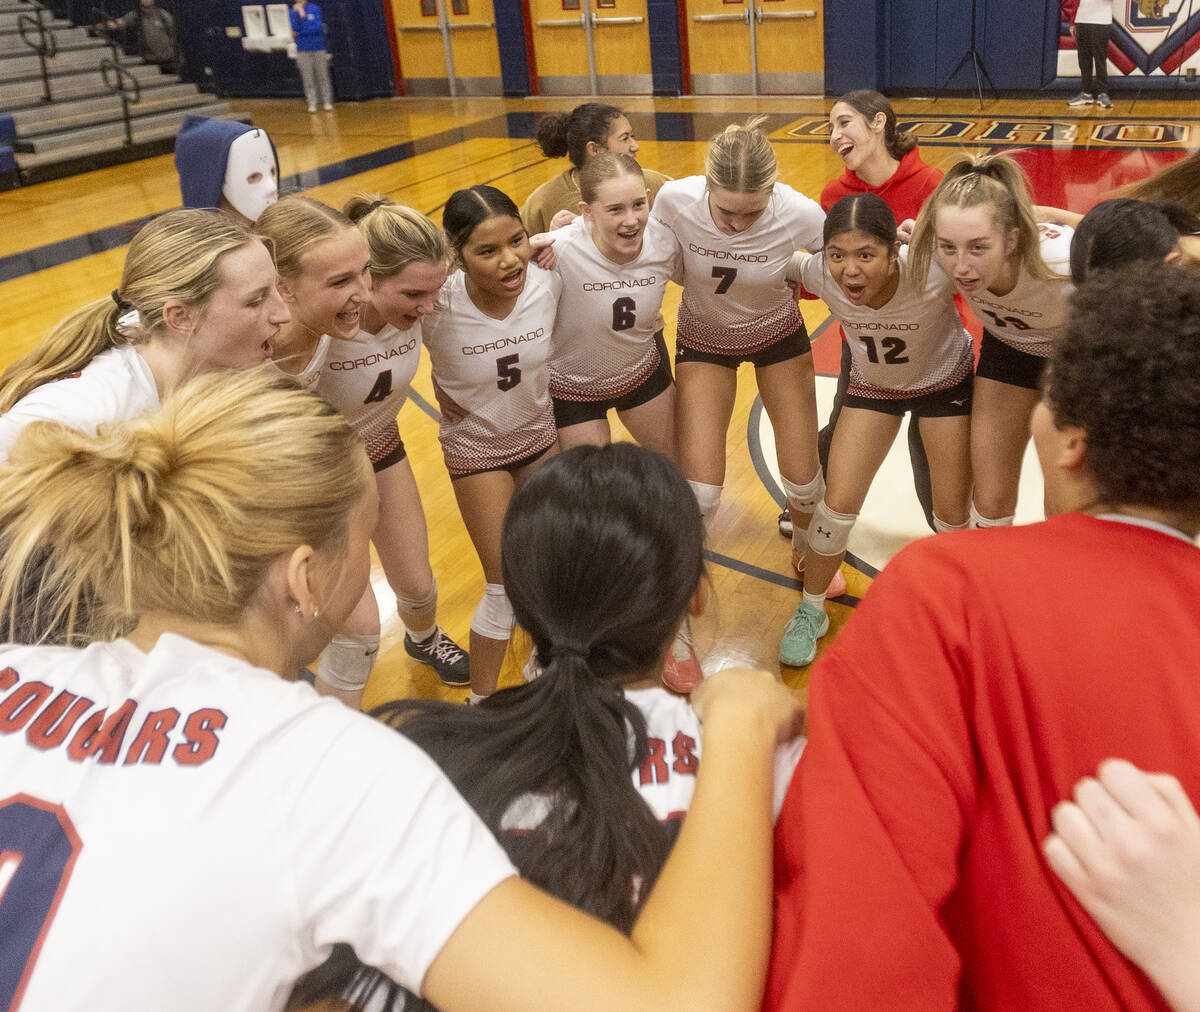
(310, 54)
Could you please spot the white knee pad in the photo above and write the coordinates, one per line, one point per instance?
(709, 498)
(804, 497)
(494, 616)
(829, 531)
(347, 662)
(419, 604)
(977, 520)
(941, 526)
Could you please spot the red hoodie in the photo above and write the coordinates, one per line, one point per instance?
(905, 191)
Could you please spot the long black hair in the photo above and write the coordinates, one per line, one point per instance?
(1122, 231)
(602, 552)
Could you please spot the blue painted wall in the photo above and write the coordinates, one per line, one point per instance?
(906, 45)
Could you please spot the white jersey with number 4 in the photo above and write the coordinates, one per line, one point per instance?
(497, 371)
(603, 343)
(180, 830)
(1035, 312)
(914, 345)
(367, 380)
(735, 297)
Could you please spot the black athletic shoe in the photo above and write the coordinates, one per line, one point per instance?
(440, 652)
(785, 524)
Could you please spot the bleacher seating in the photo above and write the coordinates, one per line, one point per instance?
(82, 125)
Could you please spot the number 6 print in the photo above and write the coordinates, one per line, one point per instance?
(38, 848)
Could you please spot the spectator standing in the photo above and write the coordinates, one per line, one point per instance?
(1091, 24)
(310, 54)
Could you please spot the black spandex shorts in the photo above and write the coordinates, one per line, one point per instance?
(1005, 364)
(573, 412)
(393, 456)
(949, 403)
(793, 345)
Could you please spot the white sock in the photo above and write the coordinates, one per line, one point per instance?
(816, 600)
(421, 635)
(978, 520)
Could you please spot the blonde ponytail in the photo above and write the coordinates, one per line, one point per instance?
(977, 181)
(740, 158)
(179, 512)
(177, 257)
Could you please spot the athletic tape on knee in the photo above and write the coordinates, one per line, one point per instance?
(829, 531)
(419, 604)
(709, 499)
(941, 526)
(804, 497)
(347, 662)
(978, 520)
(494, 616)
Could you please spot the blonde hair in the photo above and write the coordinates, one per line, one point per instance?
(180, 512)
(396, 235)
(296, 224)
(740, 159)
(601, 168)
(974, 182)
(1178, 183)
(176, 257)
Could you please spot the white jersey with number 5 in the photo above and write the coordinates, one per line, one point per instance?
(497, 371)
(181, 830)
(735, 299)
(603, 343)
(1035, 312)
(914, 345)
(367, 380)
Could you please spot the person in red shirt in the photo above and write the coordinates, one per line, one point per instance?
(985, 673)
(879, 159)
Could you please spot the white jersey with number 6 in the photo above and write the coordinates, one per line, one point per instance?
(367, 380)
(603, 343)
(497, 371)
(914, 345)
(735, 298)
(1035, 312)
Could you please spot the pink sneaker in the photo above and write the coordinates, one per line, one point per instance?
(681, 670)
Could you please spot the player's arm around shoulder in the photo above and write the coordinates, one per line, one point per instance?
(701, 940)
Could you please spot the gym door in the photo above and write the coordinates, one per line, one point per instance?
(448, 47)
(591, 47)
(756, 47)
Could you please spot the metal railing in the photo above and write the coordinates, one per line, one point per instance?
(120, 81)
(44, 45)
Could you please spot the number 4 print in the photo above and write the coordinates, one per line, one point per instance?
(38, 848)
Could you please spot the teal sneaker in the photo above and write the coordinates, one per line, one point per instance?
(798, 646)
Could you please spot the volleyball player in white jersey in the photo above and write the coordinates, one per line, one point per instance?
(367, 378)
(738, 228)
(197, 293)
(586, 774)
(909, 352)
(489, 347)
(607, 351)
(324, 276)
(1014, 273)
(231, 825)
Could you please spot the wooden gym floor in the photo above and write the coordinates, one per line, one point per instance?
(61, 245)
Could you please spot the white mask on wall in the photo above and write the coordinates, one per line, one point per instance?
(251, 185)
